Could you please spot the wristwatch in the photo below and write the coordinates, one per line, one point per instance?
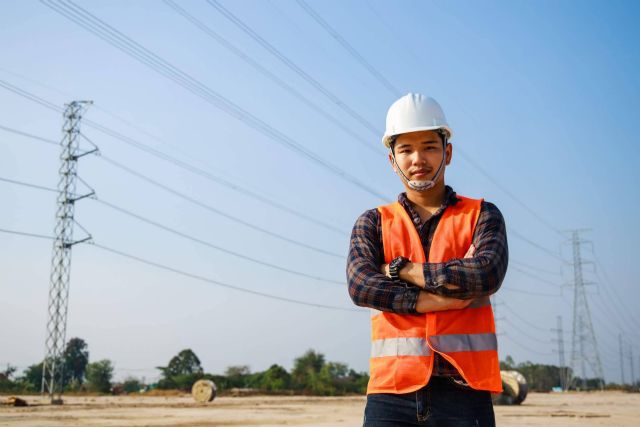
(396, 265)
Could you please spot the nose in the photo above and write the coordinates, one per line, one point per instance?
(418, 158)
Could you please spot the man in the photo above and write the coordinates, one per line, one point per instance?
(426, 265)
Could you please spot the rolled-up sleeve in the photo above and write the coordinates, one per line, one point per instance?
(482, 272)
(367, 286)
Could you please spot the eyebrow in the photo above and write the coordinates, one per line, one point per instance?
(426, 141)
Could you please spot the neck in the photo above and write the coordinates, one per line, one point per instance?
(430, 199)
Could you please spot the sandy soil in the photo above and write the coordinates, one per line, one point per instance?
(569, 409)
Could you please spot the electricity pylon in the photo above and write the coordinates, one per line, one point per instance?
(53, 366)
(584, 348)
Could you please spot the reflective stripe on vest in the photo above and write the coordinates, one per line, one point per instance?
(402, 346)
(464, 342)
(442, 343)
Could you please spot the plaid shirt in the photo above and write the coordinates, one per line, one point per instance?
(477, 276)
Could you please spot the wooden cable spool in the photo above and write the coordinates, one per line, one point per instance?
(204, 391)
(514, 389)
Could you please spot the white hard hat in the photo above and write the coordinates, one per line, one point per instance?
(412, 113)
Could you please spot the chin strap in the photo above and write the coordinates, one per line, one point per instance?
(429, 183)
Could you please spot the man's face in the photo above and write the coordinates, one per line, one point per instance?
(418, 155)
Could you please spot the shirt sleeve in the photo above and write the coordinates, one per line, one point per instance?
(367, 286)
(481, 273)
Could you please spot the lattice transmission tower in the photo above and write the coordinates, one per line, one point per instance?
(53, 366)
(584, 348)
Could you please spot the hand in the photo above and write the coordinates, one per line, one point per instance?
(428, 302)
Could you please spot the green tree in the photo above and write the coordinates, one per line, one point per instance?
(32, 378)
(240, 376)
(276, 378)
(6, 382)
(183, 370)
(507, 364)
(132, 385)
(306, 368)
(76, 358)
(99, 376)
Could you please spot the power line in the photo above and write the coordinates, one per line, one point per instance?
(540, 279)
(529, 349)
(523, 332)
(214, 246)
(136, 144)
(521, 291)
(17, 132)
(127, 45)
(354, 53)
(271, 76)
(536, 268)
(23, 233)
(25, 94)
(536, 245)
(218, 211)
(218, 283)
(525, 321)
(512, 196)
(609, 285)
(292, 66)
(190, 275)
(193, 169)
(26, 184)
(186, 236)
(168, 158)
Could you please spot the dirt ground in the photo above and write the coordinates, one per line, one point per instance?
(548, 410)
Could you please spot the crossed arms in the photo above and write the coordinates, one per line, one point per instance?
(429, 286)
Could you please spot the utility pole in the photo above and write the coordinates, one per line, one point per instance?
(584, 348)
(621, 360)
(53, 366)
(560, 340)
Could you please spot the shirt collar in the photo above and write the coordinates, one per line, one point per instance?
(450, 198)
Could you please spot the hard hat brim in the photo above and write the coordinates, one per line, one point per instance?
(386, 140)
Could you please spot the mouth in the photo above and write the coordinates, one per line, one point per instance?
(420, 175)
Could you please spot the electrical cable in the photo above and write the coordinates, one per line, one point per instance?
(127, 45)
(536, 245)
(529, 349)
(522, 319)
(353, 52)
(271, 76)
(292, 66)
(17, 132)
(184, 235)
(166, 157)
(540, 279)
(26, 184)
(193, 276)
(129, 141)
(521, 291)
(531, 337)
(220, 212)
(219, 283)
(23, 233)
(537, 269)
(183, 165)
(214, 246)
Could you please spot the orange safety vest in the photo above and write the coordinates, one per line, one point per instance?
(402, 346)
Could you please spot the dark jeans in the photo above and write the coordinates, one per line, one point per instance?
(441, 403)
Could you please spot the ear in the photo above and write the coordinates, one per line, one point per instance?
(393, 163)
(449, 153)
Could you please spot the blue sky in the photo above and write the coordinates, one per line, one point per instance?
(542, 97)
